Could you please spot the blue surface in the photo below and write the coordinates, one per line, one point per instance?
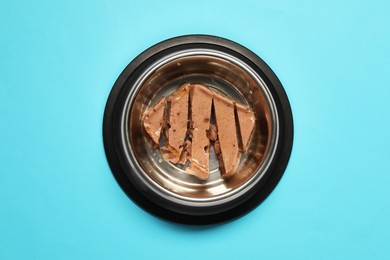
(58, 62)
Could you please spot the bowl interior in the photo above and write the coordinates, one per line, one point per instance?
(223, 73)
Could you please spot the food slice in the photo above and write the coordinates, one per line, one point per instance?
(177, 121)
(226, 147)
(200, 106)
(246, 124)
(153, 122)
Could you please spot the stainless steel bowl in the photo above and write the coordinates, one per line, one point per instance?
(213, 62)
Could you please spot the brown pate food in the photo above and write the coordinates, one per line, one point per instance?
(176, 121)
(184, 119)
(153, 121)
(201, 99)
(226, 145)
(246, 124)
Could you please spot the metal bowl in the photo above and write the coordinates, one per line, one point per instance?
(165, 189)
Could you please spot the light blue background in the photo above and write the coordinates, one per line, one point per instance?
(58, 62)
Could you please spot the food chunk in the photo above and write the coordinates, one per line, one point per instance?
(226, 146)
(200, 101)
(246, 124)
(177, 121)
(153, 121)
